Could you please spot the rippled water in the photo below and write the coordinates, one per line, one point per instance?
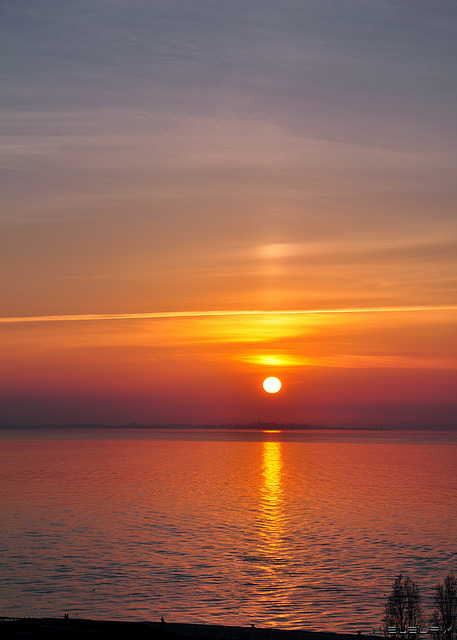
(295, 530)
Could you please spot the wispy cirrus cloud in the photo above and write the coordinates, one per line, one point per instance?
(223, 313)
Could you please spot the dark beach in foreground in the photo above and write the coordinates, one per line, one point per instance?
(76, 629)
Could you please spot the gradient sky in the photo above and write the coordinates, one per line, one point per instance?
(165, 162)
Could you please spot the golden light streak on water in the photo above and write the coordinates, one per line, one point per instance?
(272, 467)
(272, 501)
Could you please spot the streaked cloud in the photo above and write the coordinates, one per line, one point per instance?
(351, 361)
(228, 313)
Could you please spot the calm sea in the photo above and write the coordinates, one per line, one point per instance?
(293, 530)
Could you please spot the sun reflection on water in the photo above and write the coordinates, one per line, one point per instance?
(272, 499)
(272, 467)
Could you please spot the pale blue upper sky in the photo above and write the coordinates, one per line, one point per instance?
(183, 137)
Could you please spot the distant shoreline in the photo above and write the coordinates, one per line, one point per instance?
(254, 426)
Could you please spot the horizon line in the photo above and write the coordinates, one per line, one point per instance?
(218, 313)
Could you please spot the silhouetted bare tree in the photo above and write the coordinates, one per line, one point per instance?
(403, 607)
(446, 606)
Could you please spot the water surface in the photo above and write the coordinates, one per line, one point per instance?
(292, 529)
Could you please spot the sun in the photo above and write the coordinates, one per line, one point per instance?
(272, 385)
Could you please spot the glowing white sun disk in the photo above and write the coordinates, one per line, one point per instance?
(272, 385)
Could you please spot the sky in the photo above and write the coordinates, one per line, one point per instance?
(200, 194)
